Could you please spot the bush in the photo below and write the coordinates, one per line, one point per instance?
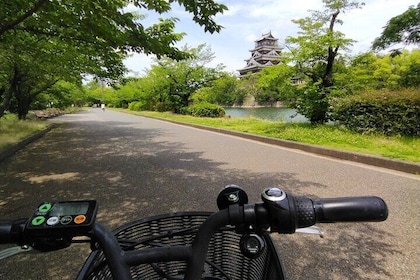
(386, 112)
(136, 106)
(204, 110)
(162, 106)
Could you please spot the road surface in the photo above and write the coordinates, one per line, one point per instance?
(137, 167)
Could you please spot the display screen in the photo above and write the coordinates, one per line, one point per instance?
(73, 208)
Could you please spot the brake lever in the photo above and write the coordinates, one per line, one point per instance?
(14, 251)
(311, 230)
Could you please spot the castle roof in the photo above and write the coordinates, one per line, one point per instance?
(266, 36)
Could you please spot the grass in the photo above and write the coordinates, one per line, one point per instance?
(396, 147)
(13, 130)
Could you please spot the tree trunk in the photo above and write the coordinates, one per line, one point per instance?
(319, 114)
(8, 94)
(332, 53)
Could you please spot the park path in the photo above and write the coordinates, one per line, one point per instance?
(137, 167)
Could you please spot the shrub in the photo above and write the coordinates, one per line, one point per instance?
(386, 112)
(204, 110)
(162, 106)
(136, 106)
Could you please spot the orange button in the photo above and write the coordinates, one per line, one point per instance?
(80, 219)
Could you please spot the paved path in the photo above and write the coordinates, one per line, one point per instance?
(136, 167)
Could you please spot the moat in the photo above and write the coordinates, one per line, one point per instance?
(270, 113)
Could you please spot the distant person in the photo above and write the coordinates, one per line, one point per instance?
(103, 107)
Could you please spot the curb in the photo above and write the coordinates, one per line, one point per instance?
(11, 150)
(394, 164)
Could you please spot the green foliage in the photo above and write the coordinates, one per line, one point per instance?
(61, 95)
(169, 85)
(404, 28)
(47, 41)
(385, 112)
(223, 91)
(368, 71)
(311, 103)
(276, 84)
(249, 84)
(204, 110)
(314, 52)
(136, 106)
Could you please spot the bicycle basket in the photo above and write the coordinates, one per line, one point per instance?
(224, 259)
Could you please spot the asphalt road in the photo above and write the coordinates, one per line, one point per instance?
(137, 167)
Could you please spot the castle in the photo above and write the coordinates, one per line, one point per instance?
(266, 53)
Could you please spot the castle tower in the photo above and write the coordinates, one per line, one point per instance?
(266, 53)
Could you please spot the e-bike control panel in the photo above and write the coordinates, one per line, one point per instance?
(64, 218)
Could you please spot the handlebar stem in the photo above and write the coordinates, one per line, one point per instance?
(201, 243)
(115, 255)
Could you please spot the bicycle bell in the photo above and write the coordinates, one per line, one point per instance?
(231, 194)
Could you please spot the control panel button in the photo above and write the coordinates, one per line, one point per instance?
(52, 221)
(45, 207)
(37, 221)
(66, 220)
(79, 219)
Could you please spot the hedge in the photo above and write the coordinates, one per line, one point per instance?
(386, 112)
(204, 109)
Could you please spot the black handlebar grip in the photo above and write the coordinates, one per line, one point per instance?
(12, 231)
(305, 213)
(6, 232)
(350, 209)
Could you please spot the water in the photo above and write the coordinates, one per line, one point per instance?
(269, 113)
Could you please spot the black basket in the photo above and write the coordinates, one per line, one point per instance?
(224, 258)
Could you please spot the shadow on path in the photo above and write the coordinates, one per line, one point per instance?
(133, 174)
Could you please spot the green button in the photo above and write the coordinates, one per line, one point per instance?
(45, 207)
(37, 221)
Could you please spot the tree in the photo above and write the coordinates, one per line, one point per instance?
(184, 78)
(33, 65)
(314, 52)
(276, 83)
(223, 91)
(170, 84)
(404, 28)
(99, 34)
(60, 95)
(370, 71)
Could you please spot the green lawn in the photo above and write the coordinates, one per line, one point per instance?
(13, 130)
(397, 147)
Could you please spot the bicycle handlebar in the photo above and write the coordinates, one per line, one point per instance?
(12, 231)
(287, 212)
(280, 212)
(350, 209)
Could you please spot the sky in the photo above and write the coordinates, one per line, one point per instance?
(247, 20)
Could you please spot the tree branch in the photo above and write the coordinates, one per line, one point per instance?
(23, 17)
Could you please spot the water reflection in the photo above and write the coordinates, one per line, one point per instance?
(270, 113)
